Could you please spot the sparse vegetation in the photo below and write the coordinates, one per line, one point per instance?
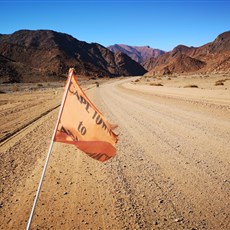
(148, 76)
(15, 88)
(220, 82)
(155, 84)
(40, 85)
(137, 80)
(191, 86)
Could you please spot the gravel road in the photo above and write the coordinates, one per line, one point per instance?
(171, 170)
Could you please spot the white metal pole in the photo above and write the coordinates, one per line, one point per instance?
(49, 152)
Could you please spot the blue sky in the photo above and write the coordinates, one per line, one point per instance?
(159, 24)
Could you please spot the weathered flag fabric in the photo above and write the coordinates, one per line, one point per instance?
(83, 125)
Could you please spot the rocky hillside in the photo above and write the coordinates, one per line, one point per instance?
(137, 53)
(213, 57)
(44, 55)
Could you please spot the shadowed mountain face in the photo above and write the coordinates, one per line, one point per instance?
(44, 55)
(137, 53)
(213, 57)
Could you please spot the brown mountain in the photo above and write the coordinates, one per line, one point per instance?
(44, 55)
(137, 53)
(212, 57)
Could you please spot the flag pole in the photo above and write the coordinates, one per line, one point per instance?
(50, 150)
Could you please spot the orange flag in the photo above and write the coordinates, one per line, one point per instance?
(83, 125)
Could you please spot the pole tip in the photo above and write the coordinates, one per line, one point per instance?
(71, 70)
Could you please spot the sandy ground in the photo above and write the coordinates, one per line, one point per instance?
(171, 170)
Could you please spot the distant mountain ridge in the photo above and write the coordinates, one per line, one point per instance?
(139, 54)
(44, 55)
(213, 57)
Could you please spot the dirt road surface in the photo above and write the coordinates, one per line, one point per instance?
(171, 170)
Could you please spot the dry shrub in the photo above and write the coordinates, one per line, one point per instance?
(155, 84)
(169, 78)
(137, 80)
(191, 86)
(40, 85)
(148, 76)
(220, 82)
(15, 88)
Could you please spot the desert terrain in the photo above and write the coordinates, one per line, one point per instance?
(172, 165)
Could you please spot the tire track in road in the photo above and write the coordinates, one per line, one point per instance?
(22, 128)
(133, 209)
(5, 138)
